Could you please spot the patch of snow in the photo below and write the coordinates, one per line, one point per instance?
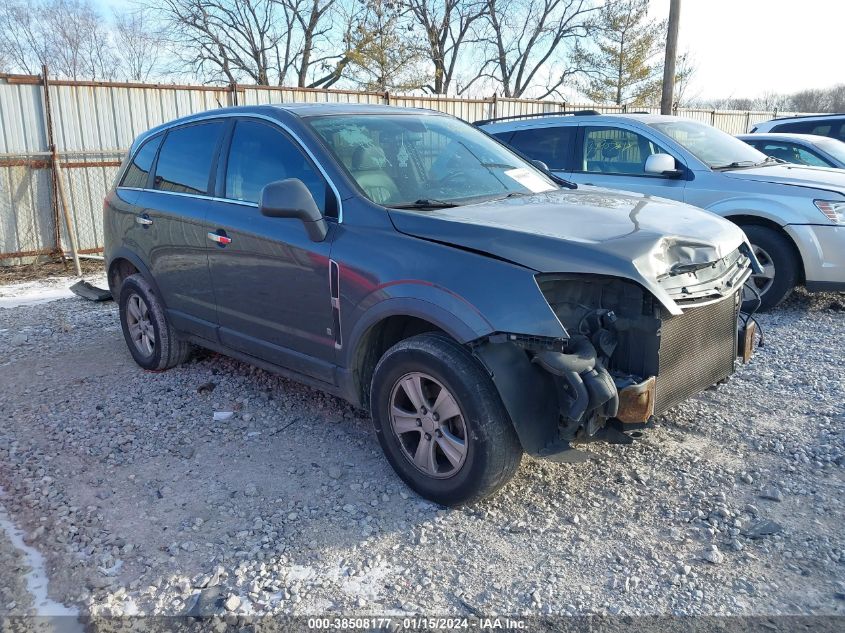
(36, 578)
(27, 293)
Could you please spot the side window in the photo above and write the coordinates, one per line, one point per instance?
(616, 151)
(259, 154)
(552, 145)
(139, 169)
(792, 153)
(184, 163)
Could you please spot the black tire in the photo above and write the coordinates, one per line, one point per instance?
(492, 449)
(168, 348)
(782, 254)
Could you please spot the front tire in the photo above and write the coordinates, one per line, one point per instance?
(780, 268)
(152, 341)
(441, 422)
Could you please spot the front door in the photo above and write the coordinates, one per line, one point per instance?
(271, 282)
(614, 157)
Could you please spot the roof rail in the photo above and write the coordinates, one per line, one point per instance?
(537, 114)
(807, 116)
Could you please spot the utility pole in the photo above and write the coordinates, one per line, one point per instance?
(669, 62)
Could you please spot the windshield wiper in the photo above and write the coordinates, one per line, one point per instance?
(737, 164)
(425, 203)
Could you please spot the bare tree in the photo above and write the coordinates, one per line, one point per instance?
(223, 39)
(70, 36)
(79, 45)
(22, 37)
(529, 43)
(448, 28)
(139, 44)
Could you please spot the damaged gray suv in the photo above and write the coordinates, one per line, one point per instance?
(410, 264)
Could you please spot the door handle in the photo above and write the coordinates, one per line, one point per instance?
(220, 239)
(143, 220)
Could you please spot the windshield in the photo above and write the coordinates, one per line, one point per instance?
(426, 161)
(709, 145)
(833, 147)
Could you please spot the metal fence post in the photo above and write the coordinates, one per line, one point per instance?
(48, 126)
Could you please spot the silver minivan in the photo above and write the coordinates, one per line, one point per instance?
(793, 215)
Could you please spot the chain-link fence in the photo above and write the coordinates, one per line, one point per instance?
(32, 218)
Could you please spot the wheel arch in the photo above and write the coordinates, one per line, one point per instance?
(124, 263)
(741, 219)
(384, 325)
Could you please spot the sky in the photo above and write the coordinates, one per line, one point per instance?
(746, 48)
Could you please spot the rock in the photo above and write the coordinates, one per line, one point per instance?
(189, 546)
(772, 492)
(222, 416)
(206, 387)
(251, 490)
(209, 601)
(186, 451)
(712, 555)
(19, 339)
(334, 472)
(232, 603)
(762, 528)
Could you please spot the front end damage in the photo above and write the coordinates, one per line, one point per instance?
(626, 356)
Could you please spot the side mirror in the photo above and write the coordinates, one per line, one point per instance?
(291, 199)
(540, 165)
(662, 165)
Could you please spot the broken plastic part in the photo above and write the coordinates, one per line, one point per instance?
(636, 402)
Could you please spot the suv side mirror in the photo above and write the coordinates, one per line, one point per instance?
(291, 199)
(540, 165)
(662, 165)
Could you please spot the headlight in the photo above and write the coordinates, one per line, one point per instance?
(834, 210)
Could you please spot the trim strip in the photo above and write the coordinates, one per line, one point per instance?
(251, 115)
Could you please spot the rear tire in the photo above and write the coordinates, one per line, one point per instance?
(152, 341)
(469, 452)
(777, 256)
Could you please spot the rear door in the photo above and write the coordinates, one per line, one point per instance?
(271, 282)
(173, 207)
(555, 146)
(614, 157)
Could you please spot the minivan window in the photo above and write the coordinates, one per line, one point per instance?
(260, 154)
(552, 145)
(139, 169)
(616, 151)
(184, 163)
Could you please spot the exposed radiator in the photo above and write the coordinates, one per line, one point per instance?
(697, 350)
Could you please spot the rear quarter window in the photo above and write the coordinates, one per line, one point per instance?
(139, 169)
(184, 162)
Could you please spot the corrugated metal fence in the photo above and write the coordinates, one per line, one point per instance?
(90, 125)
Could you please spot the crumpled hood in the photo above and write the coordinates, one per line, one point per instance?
(825, 178)
(588, 230)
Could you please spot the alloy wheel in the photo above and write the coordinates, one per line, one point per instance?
(140, 327)
(762, 282)
(426, 419)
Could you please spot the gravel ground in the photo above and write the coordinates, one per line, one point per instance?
(142, 502)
